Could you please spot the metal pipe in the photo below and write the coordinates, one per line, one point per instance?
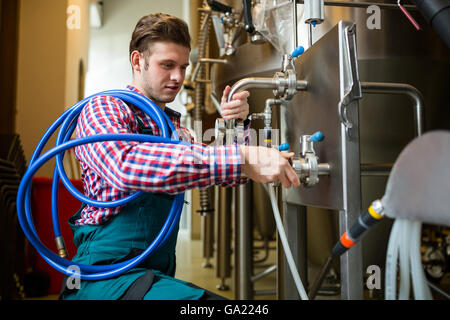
(302, 85)
(364, 4)
(323, 169)
(295, 23)
(400, 88)
(310, 41)
(243, 248)
(266, 252)
(264, 292)
(213, 96)
(212, 60)
(223, 227)
(438, 290)
(260, 83)
(216, 102)
(268, 111)
(205, 60)
(318, 282)
(376, 169)
(207, 224)
(264, 273)
(263, 83)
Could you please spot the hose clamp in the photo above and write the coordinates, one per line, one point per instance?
(286, 84)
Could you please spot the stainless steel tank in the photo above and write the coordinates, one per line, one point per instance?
(394, 53)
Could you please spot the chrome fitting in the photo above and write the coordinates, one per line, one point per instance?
(307, 166)
(378, 207)
(61, 247)
(286, 84)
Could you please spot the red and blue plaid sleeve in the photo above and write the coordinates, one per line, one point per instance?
(115, 169)
(153, 167)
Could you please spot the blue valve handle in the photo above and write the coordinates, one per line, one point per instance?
(298, 51)
(317, 137)
(284, 147)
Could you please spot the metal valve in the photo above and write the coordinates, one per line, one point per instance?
(307, 165)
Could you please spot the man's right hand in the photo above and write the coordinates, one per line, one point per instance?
(264, 165)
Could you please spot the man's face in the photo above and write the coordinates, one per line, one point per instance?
(163, 72)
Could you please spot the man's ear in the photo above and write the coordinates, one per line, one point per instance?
(136, 58)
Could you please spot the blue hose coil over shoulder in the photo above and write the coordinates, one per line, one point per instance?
(67, 121)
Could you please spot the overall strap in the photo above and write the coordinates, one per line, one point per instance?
(139, 287)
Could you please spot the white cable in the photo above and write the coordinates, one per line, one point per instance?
(391, 263)
(285, 243)
(415, 273)
(405, 240)
(404, 249)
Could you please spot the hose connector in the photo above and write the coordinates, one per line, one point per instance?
(61, 247)
(366, 221)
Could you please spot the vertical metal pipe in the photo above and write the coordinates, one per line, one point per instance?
(352, 260)
(205, 197)
(207, 222)
(310, 36)
(295, 23)
(223, 227)
(243, 244)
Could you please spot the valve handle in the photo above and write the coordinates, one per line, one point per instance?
(284, 147)
(317, 137)
(298, 51)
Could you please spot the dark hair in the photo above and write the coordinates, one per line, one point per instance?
(159, 27)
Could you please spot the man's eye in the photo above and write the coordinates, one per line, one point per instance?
(167, 65)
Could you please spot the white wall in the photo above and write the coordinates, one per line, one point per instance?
(77, 51)
(109, 66)
(47, 72)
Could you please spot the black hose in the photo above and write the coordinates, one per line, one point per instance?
(437, 14)
(248, 16)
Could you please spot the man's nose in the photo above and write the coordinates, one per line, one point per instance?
(177, 75)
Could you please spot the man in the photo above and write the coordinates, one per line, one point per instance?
(159, 56)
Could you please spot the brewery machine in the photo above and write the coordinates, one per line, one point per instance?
(368, 76)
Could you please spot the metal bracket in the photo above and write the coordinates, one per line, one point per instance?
(342, 109)
(349, 75)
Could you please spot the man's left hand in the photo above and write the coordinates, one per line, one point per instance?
(237, 108)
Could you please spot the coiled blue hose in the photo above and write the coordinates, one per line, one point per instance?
(67, 123)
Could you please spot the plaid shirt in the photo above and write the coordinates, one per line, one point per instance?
(113, 170)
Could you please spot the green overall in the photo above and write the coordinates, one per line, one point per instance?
(125, 236)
